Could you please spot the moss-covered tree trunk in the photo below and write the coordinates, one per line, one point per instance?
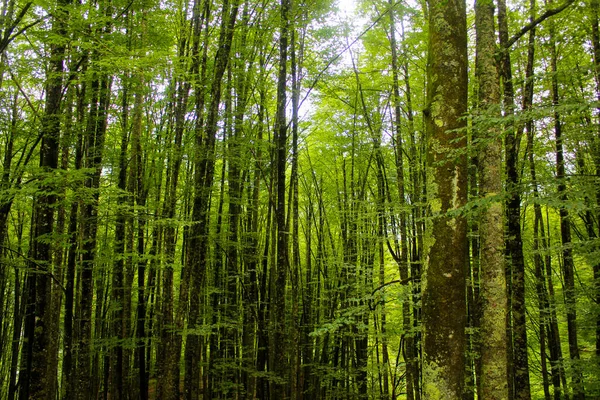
(494, 358)
(444, 304)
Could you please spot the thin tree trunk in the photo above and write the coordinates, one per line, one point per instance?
(568, 267)
(596, 148)
(95, 133)
(18, 313)
(542, 292)
(73, 246)
(403, 257)
(417, 199)
(168, 356)
(277, 346)
(296, 58)
(116, 370)
(538, 242)
(141, 193)
(518, 363)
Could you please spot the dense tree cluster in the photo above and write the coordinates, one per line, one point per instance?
(246, 199)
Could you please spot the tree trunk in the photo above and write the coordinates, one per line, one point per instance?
(95, 133)
(141, 193)
(36, 382)
(518, 363)
(494, 357)
(444, 292)
(277, 346)
(68, 371)
(596, 148)
(118, 282)
(403, 257)
(168, 356)
(568, 267)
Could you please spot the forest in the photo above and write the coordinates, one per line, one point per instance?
(299, 199)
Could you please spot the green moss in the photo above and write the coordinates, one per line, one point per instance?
(435, 385)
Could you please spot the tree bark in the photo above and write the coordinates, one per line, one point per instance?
(518, 363)
(494, 357)
(444, 292)
(169, 352)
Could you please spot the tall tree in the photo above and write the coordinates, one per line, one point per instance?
(38, 361)
(277, 354)
(519, 386)
(568, 266)
(444, 291)
(594, 17)
(203, 181)
(403, 257)
(494, 357)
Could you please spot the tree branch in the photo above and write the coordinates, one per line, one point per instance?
(536, 22)
(400, 281)
(9, 30)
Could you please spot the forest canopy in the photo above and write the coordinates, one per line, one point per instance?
(248, 199)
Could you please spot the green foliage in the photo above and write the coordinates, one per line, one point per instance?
(350, 316)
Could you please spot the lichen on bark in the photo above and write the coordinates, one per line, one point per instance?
(444, 304)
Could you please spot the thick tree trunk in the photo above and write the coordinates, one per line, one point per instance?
(444, 292)
(494, 357)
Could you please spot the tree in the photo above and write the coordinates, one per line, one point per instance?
(444, 307)
(39, 333)
(494, 355)
(204, 175)
(249, 199)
